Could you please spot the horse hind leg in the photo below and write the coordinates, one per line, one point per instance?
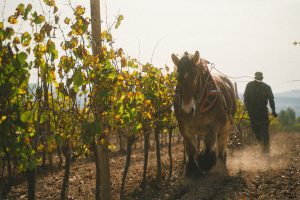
(222, 148)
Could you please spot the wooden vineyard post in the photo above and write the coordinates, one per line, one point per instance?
(236, 91)
(101, 149)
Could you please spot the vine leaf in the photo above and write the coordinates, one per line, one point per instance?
(119, 20)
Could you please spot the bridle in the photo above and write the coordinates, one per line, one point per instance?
(205, 98)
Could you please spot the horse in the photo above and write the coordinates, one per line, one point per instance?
(204, 106)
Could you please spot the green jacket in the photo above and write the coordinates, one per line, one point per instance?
(256, 97)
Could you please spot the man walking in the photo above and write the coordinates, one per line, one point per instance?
(256, 97)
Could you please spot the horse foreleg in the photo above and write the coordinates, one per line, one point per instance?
(208, 156)
(191, 167)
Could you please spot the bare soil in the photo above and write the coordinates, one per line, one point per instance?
(251, 176)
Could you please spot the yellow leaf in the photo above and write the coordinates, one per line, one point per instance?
(120, 77)
(123, 62)
(112, 54)
(112, 147)
(12, 20)
(43, 48)
(117, 117)
(21, 92)
(38, 37)
(148, 115)
(67, 20)
(106, 131)
(2, 119)
(79, 10)
(74, 42)
(130, 94)
(27, 140)
(26, 38)
(40, 147)
(50, 2)
(56, 85)
(52, 74)
(17, 40)
(120, 52)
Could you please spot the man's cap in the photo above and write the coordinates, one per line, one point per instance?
(259, 76)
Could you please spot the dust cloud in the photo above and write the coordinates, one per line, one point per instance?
(251, 159)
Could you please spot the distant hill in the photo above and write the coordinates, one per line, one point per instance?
(287, 99)
(284, 100)
(289, 94)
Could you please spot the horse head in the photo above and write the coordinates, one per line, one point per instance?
(190, 71)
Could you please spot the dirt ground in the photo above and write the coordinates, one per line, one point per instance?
(251, 176)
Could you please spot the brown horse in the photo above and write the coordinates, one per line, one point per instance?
(204, 106)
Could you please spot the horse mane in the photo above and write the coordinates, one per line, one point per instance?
(227, 88)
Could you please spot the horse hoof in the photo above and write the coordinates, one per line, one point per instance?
(206, 160)
(192, 170)
(193, 174)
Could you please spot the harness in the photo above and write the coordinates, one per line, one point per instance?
(206, 99)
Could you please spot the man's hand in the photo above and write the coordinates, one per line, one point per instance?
(274, 114)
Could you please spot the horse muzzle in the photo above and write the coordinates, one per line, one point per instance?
(189, 108)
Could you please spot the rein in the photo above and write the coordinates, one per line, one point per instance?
(209, 94)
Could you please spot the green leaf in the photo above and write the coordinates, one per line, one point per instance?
(22, 57)
(26, 116)
(25, 39)
(132, 113)
(54, 55)
(119, 19)
(39, 19)
(111, 76)
(138, 127)
(43, 118)
(27, 10)
(2, 34)
(9, 68)
(9, 32)
(20, 8)
(75, 88)
(50, 46)
(78, 78)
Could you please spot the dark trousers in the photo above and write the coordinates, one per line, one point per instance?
(260, 127)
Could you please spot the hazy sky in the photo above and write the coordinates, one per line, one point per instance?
(239, 36)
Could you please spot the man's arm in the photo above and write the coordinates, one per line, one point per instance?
(271, 102)
(246, 97)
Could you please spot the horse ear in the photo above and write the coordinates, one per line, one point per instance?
(175, 59)
(196, 57)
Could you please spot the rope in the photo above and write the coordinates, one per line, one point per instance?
(213, 66)
(205, 84)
